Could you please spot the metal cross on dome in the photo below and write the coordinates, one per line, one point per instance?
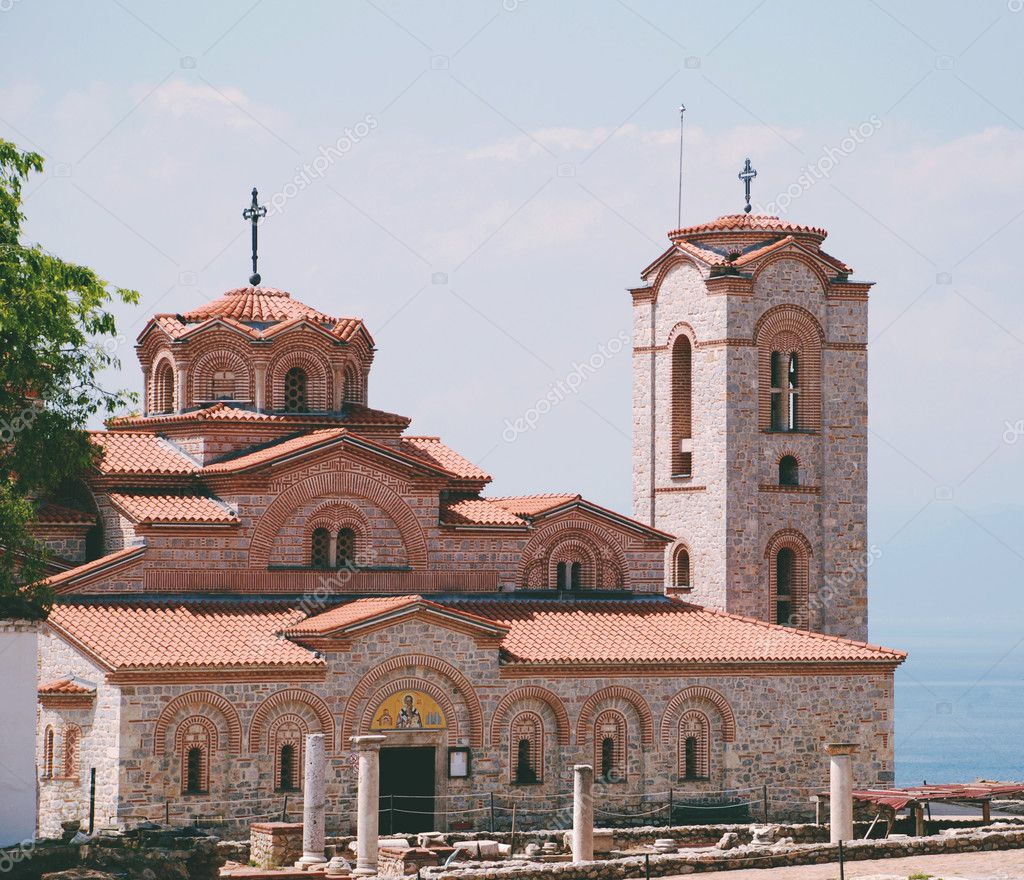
(747, 175)
(253, 213)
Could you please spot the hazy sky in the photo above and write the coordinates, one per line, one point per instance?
(481, 181)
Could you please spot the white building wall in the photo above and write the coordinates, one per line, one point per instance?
(18, 687)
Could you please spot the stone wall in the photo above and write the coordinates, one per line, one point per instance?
(275, 844)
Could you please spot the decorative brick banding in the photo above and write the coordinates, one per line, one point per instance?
(291, 695)
(530, 692)
(616, 692)
(196, 700)
(411, 684)
(695, 695)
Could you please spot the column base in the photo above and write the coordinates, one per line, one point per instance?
(310, 859)
(364, 872)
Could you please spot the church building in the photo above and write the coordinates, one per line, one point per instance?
(263, 553)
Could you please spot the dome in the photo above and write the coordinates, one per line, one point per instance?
(755, 226)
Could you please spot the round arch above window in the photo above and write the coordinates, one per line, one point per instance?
(681, 572)
(789, 342)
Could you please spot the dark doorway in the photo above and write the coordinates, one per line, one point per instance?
(407, 789)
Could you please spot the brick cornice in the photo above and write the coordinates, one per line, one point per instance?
(789, 490)
(745, 669)
(730, 285)
(216, 675)
(666, 489)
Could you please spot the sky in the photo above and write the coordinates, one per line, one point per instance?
(481, 182)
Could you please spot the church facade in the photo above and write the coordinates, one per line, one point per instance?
(261, 554)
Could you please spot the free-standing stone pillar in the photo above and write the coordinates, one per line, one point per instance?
(840, 797)
(314, 802)
(368, 802)
(582, 813)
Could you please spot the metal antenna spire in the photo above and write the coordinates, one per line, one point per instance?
(679, 210)
(253, 214)
(747, 175)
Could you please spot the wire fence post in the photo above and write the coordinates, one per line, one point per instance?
(671, 805)
(842, 872)
(764, 795)
(284, 810)
(512, 839)
(492, 812)
(647, 866)
(167, 811)
(391, 814)
(92, 798)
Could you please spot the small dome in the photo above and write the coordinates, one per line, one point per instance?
(743, 225)
(257, 305)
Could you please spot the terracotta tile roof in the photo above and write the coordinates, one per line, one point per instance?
(532, 505)
(111, 561)
(361, 610)
(354, 413)
(139, 453)
(59, 514)
(174, 509)
(65, 686)
(748, 222)
(258, 312)
(479, 511)
(433, 451)
(655, 631)
(281, 449)
(164, 635)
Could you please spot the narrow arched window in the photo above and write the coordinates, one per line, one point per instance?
(682, 407)
(694, 745)
(575, 575)
(72, 748)
(785, 568)
(524, 766)
(526, 740)
(287, 769)
(48, 753)
(194, 770)
(222, 385)
(163, 388)
(793, 383)
(608, 758)
(681, 569)
(610, 746)
(789, 471)
(690, 757)
(295, 390)
(346, 549)
(320, 549)
(778, 403)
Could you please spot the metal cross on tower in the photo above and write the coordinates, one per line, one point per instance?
(746, 175)
(253, 213)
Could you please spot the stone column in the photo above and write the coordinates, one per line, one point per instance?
(314, 802)
(840, 797)
(182, 389)
(583, 813)
(260, 387)
(368, 803)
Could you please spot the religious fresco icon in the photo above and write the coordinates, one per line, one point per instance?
(409, 710)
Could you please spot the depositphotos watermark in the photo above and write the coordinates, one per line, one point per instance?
(307, 172)
(570, 384)
(21, 421)
(824, 165)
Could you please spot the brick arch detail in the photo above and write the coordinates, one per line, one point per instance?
(698, 694)
(205, 723)
(194, 700)
(291, 695)
(792, 538)
(790, 328)
(682, 328)
(319, 376)
(531, 692)
(204, 366)
(603, 543)
(338, 484)
(671, 264)
(798, 543)
(789, 255)
(411, 684)
(616, 692)
(420, 661)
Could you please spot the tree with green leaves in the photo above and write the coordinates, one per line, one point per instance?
(56, 337)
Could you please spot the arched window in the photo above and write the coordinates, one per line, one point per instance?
(295, 390)
(610, 746)
(163, 388)
(682, 407)
(694, 745)
(785, 568)
(222, 385)
(569, 575)
(681, 569)
(789, 471)
(194, 771)
(779, 419)
(286, 768)
(72, 749)
(345, 551)
(195, 754)
(353, 390)
(526, 742)
(320, 549)
(793, 382)
(48, 753)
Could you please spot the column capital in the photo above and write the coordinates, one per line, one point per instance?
(368, 742)
(841, 748)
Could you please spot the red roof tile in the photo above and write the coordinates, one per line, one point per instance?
(58, 514)
(656, 631)
(479, 511)
(173, 509)
(433, 451)
(65, 686)
(110, 561)
(353, 413)
(532, 505)
(361, 610)
(179, 635)
(138, 453)
(748, 222)
(282, 449)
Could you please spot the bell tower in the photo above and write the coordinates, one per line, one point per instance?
(750, 422)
